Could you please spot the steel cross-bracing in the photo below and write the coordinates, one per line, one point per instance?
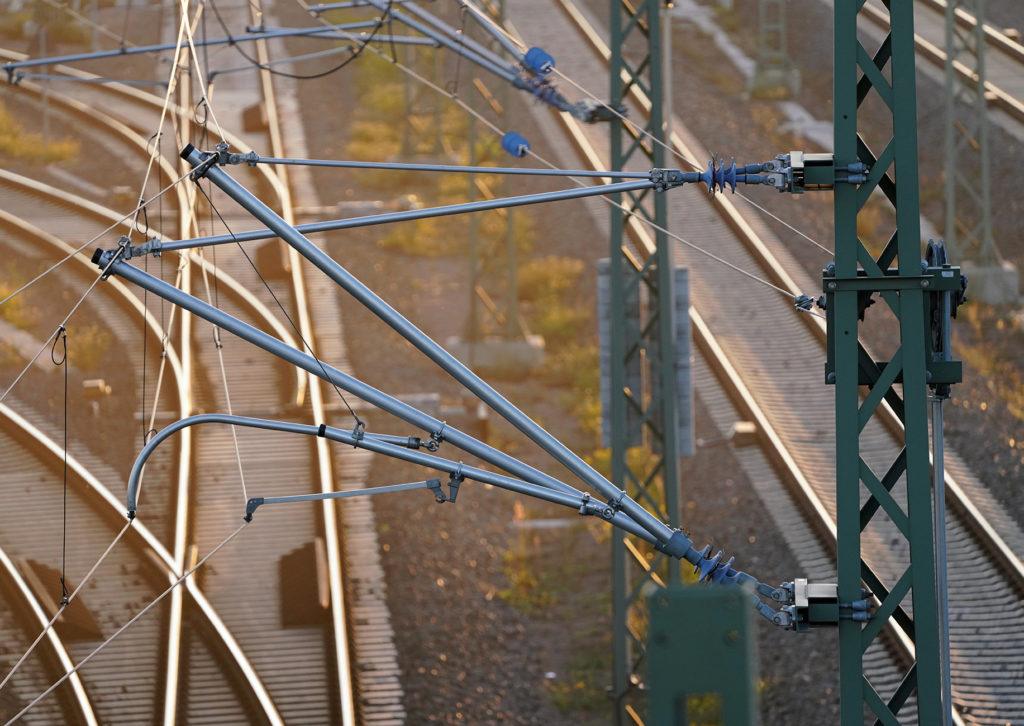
(642, 327)
(968, 226)
(871, 494)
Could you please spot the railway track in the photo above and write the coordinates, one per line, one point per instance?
(769, 393)
(301, 674)
(1004, 56)
(794, 414)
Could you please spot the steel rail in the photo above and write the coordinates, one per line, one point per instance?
(325, 465)
(127, 296)
(80, 474)
(1004, 99)
(117, 127)
(985, 533)
(996, 37)
(30, 602)
(770, 266)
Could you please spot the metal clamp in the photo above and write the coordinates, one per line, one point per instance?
(436, 437)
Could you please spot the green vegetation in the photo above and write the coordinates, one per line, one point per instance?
(580, 690)
(16, 311)
(17, 144)
(87, 345)
(993, 360)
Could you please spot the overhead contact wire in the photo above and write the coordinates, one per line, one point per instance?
(359, 422)
(60, 610)
(640, 131)
(119, 631)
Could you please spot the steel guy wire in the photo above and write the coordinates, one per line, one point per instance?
(172, 83)
(62, 333)
(224, 377)
(672, 235)
(668, 147)
(326, 377)
(117, 633)
(99, 277)
(124, 28)
(63, 606)
(469, 109)
(151, 429)
(195, 60)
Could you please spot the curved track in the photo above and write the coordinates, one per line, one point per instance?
(756, 374)
(277, 670)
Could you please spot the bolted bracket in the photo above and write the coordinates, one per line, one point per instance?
(817, 604)
(454, 480)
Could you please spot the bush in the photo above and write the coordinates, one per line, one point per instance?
(548, 277)
(18, 144)
(87, 345)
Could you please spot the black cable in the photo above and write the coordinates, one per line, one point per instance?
(453, 86)
(124, 29)
(359, 422)
(299, 76)
(62, 335)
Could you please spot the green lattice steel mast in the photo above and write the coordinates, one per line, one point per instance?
(899, 494)
(968, 228)
(645, 415)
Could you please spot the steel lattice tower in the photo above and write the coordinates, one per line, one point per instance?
(898, 496)
(643, 381)
(968, 228)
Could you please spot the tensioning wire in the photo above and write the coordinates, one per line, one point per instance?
(640, 131)
(137, 616)
(284, 312)
(63, 605)
(650, 223)
(99, 277)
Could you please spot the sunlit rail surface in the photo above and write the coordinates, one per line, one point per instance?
(227, 647)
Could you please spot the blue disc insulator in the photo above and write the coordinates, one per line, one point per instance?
(515, 144)
(538, 60)
(708, 176)
(729, 176)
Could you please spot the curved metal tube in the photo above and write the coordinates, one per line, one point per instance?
(579, 501)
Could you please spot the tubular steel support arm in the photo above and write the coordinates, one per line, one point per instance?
(648, 181)
(614, 505)
(272, 345)
(709, 569)
(672, 542)
(578, 501)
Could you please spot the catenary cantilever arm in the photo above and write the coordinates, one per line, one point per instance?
(671, 541)
(409, 414)
(403, 216)
(578, 501)
(708, 568)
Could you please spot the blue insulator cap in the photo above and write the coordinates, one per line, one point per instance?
(728, 176)
(515, 144)
(707, 565)
(708, 176)
(538, 60)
